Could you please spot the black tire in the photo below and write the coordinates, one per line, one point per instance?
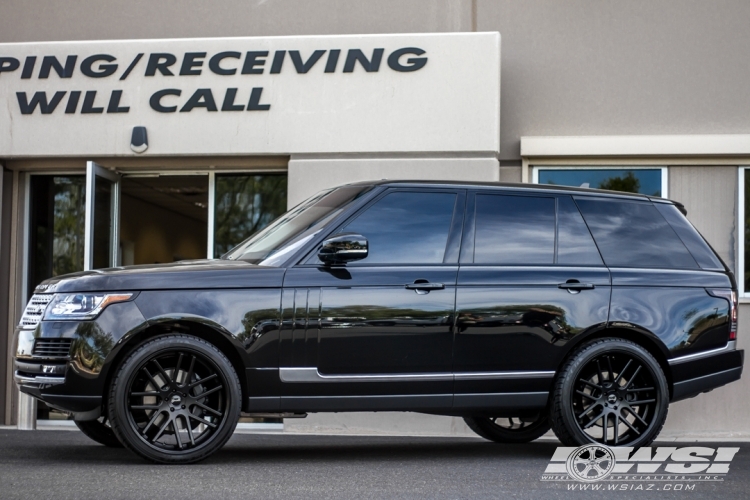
(100, 431)
(610, 391)
(175, 399)
(508, 430)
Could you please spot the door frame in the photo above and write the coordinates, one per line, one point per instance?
(94, 170)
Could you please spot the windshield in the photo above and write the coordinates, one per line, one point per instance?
(287, 234)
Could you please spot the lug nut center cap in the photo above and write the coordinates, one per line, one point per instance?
(176, 400)
(612, 399)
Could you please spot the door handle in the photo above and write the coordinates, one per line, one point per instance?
(424, 286)
(575, 286)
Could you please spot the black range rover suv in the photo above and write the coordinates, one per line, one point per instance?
(517, 307)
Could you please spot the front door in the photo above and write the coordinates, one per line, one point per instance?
(382, 325)
(531, 279)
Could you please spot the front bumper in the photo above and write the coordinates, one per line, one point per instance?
(705, 371)
(73, 380)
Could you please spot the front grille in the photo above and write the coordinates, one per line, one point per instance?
(34, 311)
(52, 348)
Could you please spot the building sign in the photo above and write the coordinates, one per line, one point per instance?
(380, 93)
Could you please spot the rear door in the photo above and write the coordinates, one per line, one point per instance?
(530, 279)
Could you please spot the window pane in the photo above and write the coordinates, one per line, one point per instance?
(404, 228)
(514, 230)
(102, 223)
(698, 247)
(634, 234)
(245, 204)
(575, 246)
(644, 181)
(58, 208)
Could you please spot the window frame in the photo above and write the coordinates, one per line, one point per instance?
(664, 172)
(741, 196)
(452, 247)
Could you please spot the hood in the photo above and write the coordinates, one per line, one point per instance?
(190, 274)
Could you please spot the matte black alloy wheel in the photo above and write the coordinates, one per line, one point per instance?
(509, 429)
(100, 431)
(179, 401)
(614, 393)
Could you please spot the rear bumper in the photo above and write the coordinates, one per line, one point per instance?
(692, 375)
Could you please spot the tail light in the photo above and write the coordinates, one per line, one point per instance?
(731, 297)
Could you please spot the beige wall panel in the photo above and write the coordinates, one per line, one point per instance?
(307, 177)
(42, 20)
(709, 195)
(510, 174)
(590, 67)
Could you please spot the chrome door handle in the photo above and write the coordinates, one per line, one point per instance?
(424, 286)
(576, 286)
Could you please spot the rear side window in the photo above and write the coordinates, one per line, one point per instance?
(575, 246)
(514, 230)
(690, 236)
(634, 234)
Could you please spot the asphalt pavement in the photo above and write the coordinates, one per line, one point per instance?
(59, 465)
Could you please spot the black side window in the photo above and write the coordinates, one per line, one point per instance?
(690, 236)
(514, 230)
(634, 234)
(575, 246)
(406, 228)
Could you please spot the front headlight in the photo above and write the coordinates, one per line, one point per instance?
(81, 306)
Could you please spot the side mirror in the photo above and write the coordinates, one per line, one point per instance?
(343, 248)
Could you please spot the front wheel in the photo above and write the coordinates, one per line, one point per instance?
(509, 430)
(612, 392)
(176, 399)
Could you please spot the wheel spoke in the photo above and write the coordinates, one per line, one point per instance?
(210, 391)
(151, 378)
(594, 420)
(151, 422)
(641, 389)
(611, 373)
(590, 384)
(146, 393)
(616, 429)
(177, 433)
(190, 431)
(167, 378)
(587, 395)
(622, 372)
(161, 429)
(200, 381)
(641, 402)
(599, 370)
(177, 368)
(218, 414)
(190, 371)
(586, 411)
(144, 407)
(203, 421)
(604, 427)
(635, 374)
(625, 421)
(638, 417)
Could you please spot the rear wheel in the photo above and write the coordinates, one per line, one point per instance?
(509, 430)
(176, 399)
(612, 392)
(100, 431)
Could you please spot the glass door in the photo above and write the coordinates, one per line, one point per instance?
(101, 224)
